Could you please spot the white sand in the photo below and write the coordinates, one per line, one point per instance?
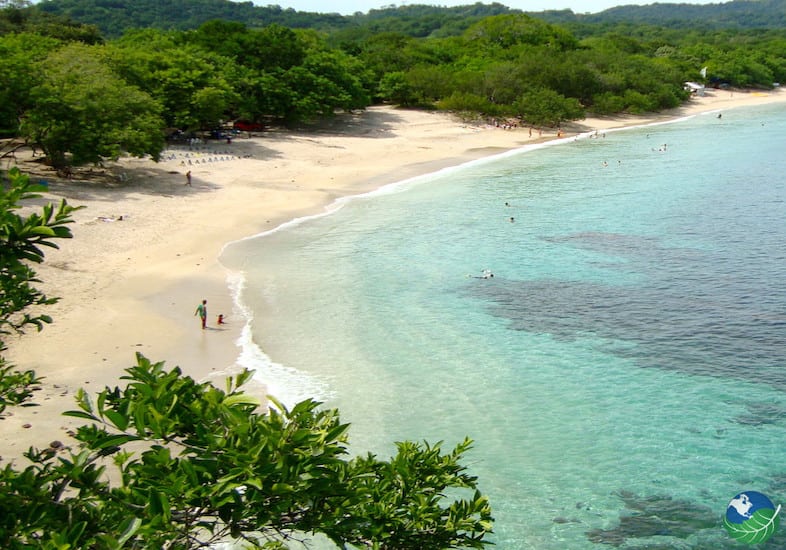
(132, 285)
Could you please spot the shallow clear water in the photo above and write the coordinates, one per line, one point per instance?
(623, 372)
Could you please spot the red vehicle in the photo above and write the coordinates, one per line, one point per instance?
(247, 126)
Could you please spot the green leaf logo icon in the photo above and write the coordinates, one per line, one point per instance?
(751, 517)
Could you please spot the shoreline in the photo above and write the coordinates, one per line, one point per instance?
(132, 285)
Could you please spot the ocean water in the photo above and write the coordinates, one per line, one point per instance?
(623, 374)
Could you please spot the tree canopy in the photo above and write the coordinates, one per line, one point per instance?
(84, 98)
(416, 20)
(82, 109)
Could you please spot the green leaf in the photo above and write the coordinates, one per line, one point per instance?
(164, 506)
(84, 401)
(100, 402)
(80, 414)
(241, 399)
(158, 504)
(76, 532)
(119, 420)
(128, 528)
(758, 528)
(336, 432)
(115, 440)
(42, 230)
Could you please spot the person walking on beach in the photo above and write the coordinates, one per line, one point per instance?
(188, 177)
(201, 310)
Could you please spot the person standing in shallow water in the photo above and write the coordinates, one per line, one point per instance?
(201, 310)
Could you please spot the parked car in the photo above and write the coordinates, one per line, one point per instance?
(248, 126)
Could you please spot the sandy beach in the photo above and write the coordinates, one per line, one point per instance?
(146, 245)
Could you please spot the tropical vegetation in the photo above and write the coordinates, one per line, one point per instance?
(83, 95)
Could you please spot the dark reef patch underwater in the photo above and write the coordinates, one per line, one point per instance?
(685, 309)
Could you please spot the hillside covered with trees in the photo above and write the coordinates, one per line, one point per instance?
(114, 17)
(735, 14)
(82, 95)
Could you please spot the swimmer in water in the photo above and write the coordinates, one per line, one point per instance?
(485, 274)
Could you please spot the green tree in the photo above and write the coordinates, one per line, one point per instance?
(20, 16)
(166, 462)
(273, 46)
(341, 76)
(395, 87)
(195, 87)
(19, 53)
(387, 52)
(547, 107)
(82, 112)
(739, 68)
(324, 82)
(503, 82)
(469, 104)
(506, 31)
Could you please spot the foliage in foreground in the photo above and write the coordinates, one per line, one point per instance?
(21, 242)
(195, 464)
(167, 462)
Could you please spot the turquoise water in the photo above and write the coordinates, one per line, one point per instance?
(622, 374)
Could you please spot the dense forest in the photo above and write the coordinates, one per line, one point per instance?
(738, 14)
(83, 93)
(113, 17)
